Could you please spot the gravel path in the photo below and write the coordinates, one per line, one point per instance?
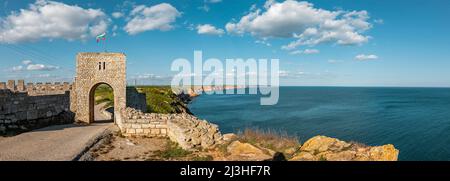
(59, 142)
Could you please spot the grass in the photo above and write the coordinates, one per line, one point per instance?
(104, 93)
(173, 151)
(274, 140)
(161, 99)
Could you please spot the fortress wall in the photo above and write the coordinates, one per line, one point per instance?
(38, 88)
(23, 108)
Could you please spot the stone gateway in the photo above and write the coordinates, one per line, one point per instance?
(93, 69)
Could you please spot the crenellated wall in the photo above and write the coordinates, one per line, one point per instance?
(36, 89)
(26, 107)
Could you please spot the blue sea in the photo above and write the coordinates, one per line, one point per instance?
(415, 120)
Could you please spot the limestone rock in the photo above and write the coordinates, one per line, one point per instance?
(322, 148)
(229, 136)
(384, 153)
(246, 151)
(290, 151)
(323, 143)
(304, 156)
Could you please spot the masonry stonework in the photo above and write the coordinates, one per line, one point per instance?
(94, 69)
(22, 110)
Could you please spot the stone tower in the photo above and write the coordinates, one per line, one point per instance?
(93, 69)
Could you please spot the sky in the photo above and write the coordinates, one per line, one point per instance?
(318, 42)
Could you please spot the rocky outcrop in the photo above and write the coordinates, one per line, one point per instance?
(322, 148)
(245, 151)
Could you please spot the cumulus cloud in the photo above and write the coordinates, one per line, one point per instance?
(209, 30)
(363, 57)
(303, 22)
(117, 14)
(52, 20)
(306, 52)
(158, 17)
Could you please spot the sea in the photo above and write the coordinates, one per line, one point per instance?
(415, 120)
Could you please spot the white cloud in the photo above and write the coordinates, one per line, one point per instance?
(26, 62)
(209, 30)
(311, 51)
(264, 42)
(41, 67)
(333, 61)
(204, 8)
(363, 57)
(303, 22)
(148, 76)
(117, 14)
(379, 21)
(213, 1)
(52, 20)
(158, 17)
(28, 65)
(306, 52)
(17, 68)
(42, 75)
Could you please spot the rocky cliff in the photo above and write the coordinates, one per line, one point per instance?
(318, 148)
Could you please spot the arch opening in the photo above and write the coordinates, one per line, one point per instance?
(101, 103)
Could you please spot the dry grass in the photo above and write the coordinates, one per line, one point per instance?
(274, 140)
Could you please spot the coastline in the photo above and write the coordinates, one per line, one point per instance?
(317, 143)
(249, 145)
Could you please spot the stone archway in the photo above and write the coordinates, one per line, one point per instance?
(92, 101)
(94, 69)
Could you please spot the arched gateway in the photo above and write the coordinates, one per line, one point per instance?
(94, 69)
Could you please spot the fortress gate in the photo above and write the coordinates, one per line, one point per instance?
(93, 69)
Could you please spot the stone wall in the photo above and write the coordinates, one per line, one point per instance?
(38, 88)
(186, 130)
(21, 112)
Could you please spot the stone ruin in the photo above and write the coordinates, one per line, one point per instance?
(185, 129)
(26, 107)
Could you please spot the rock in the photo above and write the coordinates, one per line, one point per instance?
(290, 151)
(304, 156)
(384, 153)
(323, 143)
(229, 137)
(339, 156)
(246, 151)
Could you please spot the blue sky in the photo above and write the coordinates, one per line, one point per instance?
(318, 42)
